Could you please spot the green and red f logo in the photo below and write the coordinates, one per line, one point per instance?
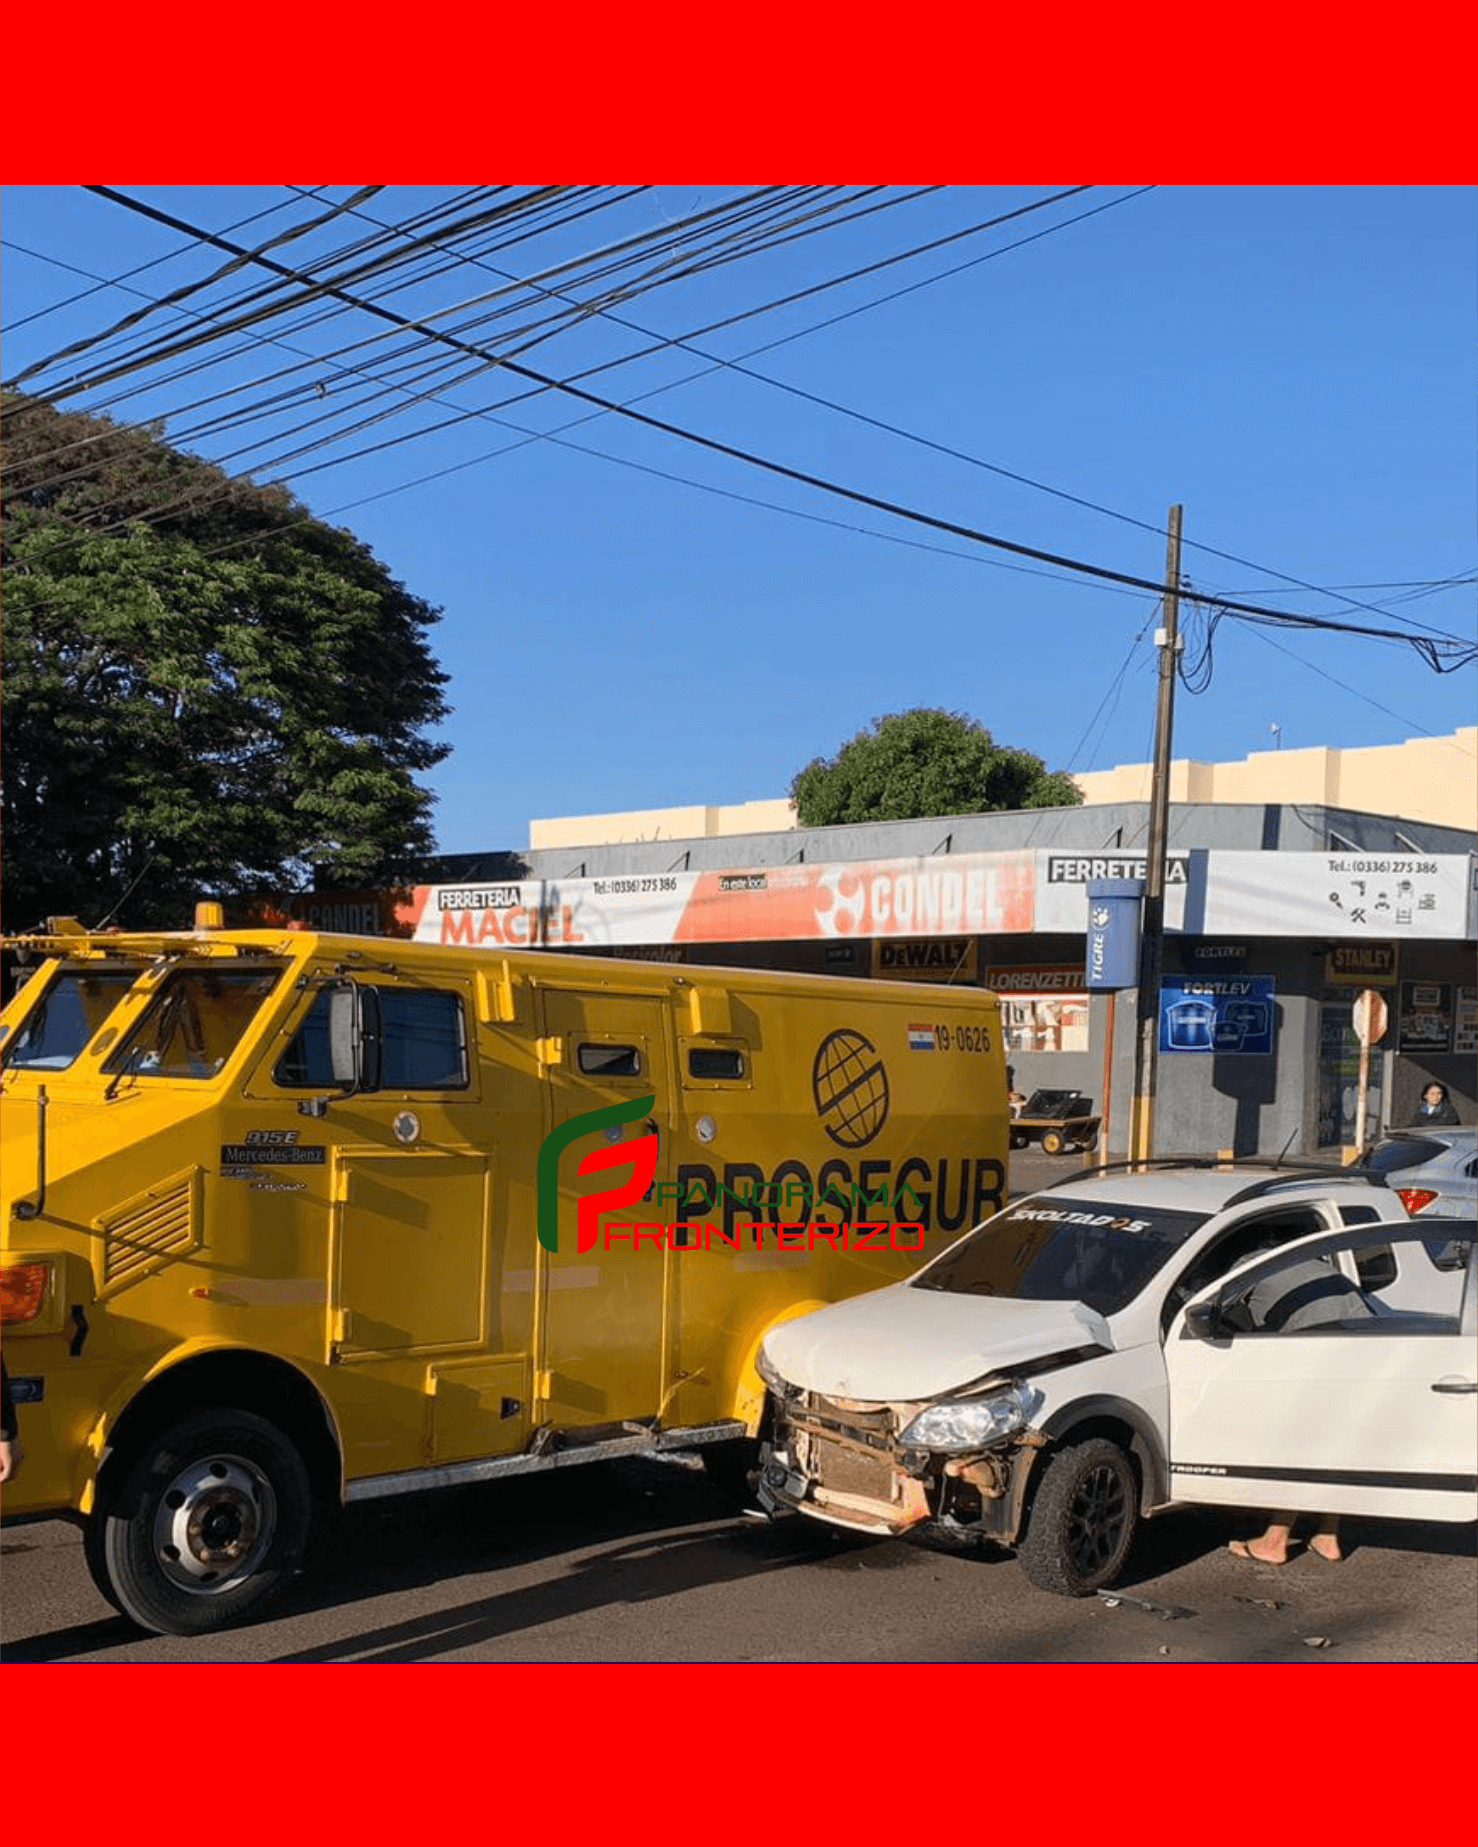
(641, 1153)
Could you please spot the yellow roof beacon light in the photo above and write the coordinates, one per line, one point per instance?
(209, 915)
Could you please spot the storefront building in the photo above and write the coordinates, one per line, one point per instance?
(1277, 917)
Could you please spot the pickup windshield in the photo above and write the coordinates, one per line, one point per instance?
(1047, 1252)
(194, 1022)
(54, 1032)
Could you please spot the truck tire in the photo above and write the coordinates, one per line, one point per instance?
(1053, 1141)
(1082, 1520)
(208, 1527)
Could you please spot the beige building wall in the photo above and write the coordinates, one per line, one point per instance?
(1425, 779)
(590, 830)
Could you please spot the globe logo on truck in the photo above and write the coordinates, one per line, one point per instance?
(850, 1087)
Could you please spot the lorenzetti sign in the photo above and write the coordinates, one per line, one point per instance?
(1037, 978)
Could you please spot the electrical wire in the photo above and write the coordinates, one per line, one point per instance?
(732, 211)
(1009, 474)
(113, 282)
(295, 454)
(1443, 655)
(34, 487)
(1364, 697)
(186, 290)
(273, 302)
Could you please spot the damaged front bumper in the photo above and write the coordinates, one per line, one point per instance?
(844, 1461)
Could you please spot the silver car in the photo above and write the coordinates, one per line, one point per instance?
(1434, 1171)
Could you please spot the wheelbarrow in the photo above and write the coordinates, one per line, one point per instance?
(1057, 1120)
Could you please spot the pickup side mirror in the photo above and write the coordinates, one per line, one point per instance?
(1204, 1321)
(354, 1037)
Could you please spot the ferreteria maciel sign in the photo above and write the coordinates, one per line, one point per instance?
(967, 894)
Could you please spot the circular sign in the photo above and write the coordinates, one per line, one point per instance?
(407, 1126)
(850, 1087)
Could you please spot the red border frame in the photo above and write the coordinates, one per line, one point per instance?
(737, 1755)
(1313, 94)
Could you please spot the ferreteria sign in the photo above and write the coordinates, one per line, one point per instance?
(952, 895)
(927, 907)
(1062, 882)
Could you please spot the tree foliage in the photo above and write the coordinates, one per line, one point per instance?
(925, 762)
(205, 690)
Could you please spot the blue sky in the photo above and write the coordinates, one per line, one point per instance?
(657, 624)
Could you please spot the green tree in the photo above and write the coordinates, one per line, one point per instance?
(204, 691)
(925, 762)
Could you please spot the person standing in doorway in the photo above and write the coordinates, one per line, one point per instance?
(1435, 1108)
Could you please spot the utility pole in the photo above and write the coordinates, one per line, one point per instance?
(1152, 930)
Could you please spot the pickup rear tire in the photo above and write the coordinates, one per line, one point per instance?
(209, 1525)
(1082, 1520)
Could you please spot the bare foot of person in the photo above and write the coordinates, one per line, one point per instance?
(1246, 1548)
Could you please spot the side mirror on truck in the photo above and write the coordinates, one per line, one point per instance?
(354, 1037)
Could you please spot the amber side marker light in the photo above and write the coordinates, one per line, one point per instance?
(1414, 1198)
(22, 1291)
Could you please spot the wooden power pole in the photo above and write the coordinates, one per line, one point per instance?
(1152, 934)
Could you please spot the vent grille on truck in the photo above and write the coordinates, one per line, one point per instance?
(147, 1231)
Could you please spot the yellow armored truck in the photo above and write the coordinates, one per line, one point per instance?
(293, 1219)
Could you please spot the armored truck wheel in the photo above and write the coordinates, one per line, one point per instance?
(209, 1525)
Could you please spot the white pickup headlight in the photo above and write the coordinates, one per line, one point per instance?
(972, 1423)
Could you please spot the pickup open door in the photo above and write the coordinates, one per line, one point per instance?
(1372, 1410)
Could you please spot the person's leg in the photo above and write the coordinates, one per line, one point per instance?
(1325, 1540)
(1269, 1548)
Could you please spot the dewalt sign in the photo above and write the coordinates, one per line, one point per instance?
(926, 958)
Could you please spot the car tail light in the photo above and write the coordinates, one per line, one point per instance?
(1414, 1198)
(22, 1291)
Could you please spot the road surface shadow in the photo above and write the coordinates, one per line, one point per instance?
(633, 1532)
(386, 1548)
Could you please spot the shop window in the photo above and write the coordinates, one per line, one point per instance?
(1045, 1022)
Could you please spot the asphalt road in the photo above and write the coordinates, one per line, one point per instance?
(646, 1562)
